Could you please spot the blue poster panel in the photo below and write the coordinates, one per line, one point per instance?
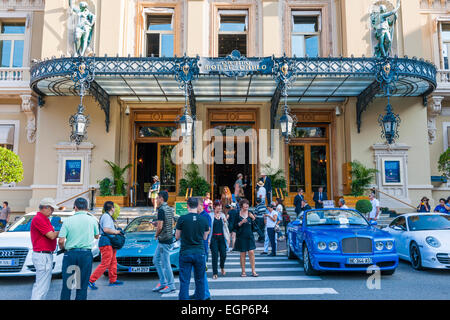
(392, 171)
(72, 171)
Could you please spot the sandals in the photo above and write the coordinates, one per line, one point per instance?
(255, 275)
(243, 275)
(214, 276)
(223, 272)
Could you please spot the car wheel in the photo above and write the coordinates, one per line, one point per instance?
(290, 254)
(307, 266)
(415, 257)
(388, 272)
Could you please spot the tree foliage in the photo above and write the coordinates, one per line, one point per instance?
(193, 179)
(118, 179)
(362, 177)
(444, 163)
(11, 167)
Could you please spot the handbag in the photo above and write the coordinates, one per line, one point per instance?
(117, 240)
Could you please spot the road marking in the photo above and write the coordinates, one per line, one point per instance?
(260, 278)
(263, 269)
(260, 262)
(260, 292)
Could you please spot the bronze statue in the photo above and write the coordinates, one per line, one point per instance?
(84, 26)
(383, 24)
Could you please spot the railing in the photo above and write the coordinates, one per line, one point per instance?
(443, 76)
(92, 190)
(392, 197)
(15, 74)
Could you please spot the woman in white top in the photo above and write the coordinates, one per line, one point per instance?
(271, 221)
(261, 192)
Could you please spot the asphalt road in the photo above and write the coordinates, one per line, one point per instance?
(279, 278)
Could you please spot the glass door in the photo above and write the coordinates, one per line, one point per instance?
(167, 169)
(308, 165)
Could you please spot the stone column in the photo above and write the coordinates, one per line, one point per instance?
(28, 107)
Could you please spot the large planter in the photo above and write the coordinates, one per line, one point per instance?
(122, 201)
(351, 201)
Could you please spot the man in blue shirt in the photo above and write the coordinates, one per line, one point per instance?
(260, 211)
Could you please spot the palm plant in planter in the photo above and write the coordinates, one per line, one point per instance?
(362, 177)
(118, 188)
(277, 178)
(193, 179)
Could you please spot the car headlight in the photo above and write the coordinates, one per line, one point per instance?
(433, 242)
(333, 246)
(379, 245)
(389, 245)
(322, 245)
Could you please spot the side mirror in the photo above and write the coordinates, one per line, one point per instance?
(373, 223)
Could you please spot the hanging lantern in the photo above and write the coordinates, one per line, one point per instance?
(186, 123)
(79, 123)
(389, 124)
(286, 123)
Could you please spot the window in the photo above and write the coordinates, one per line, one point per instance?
(399, 222)
(160, 36)
(446, 45)
(306, 28)
(9, 135)
(233, 32)
(12, 40)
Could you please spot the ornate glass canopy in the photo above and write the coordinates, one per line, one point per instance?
(234, 78)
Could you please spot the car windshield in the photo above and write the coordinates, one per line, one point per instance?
(429, 222)
(24, 223)
(144, 224)
(335, 217)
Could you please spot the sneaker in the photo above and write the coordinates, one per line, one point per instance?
(157, 288)
(117, 283)
(166, 289)
(263, 253)
(92, 285)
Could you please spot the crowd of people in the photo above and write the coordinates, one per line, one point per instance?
(210, 226)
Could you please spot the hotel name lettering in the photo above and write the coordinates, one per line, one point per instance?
(261, 66)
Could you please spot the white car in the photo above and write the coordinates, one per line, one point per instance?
(422, 239)
(16, 248)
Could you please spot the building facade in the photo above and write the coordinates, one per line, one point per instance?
(233, 66)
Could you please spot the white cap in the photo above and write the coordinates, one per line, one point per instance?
(49, 202)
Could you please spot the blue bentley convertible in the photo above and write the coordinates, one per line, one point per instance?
(340, 240)
(140, 246)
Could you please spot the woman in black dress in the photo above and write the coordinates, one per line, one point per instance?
(245, 240)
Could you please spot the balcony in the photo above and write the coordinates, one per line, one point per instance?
(443, 83)
(14, 79)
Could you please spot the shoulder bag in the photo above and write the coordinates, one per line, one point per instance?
(117, 240)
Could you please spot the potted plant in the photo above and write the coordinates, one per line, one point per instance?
(364, 206)
(277, 178)
(193, 179)
(114, 190)
(362, 177)
(11, 167)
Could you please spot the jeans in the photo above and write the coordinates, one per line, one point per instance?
(273, 243)
(109, 262)
(187, 262)
(218, 246)
(163, 266)
(76, 269)
(43, 263)
(266, 241)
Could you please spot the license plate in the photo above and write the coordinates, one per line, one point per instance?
(359, 260)
(7, 262)
(139, 269)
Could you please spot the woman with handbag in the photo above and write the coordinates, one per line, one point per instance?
(219, 239)
(108, 253)
(245, 240)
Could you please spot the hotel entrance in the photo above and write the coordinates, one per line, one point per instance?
(239, 151)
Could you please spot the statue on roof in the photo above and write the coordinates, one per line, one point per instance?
(383, 22)
(84, 26)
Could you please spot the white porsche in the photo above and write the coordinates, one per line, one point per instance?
(16, 248)
(422, 239)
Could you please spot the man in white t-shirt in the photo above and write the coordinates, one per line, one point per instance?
(373, 215)
(342, 204)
